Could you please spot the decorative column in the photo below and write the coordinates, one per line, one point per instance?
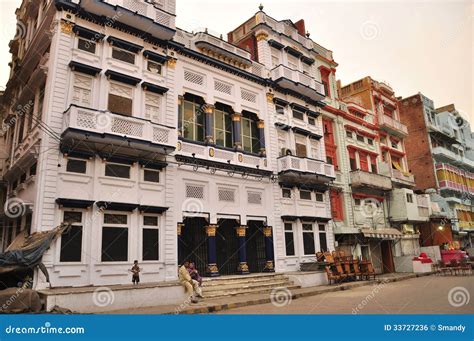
(180, 243)
(180, 115)
(269, 266)
(243, 267)
(237, 130)
(209, 112)
(212, 269)
(261, 136)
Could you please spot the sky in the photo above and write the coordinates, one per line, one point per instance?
(415, 46)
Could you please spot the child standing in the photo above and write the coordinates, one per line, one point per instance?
(135, 273)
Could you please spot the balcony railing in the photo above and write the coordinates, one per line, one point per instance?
(400, 176)
(305, 165)
(365, 179)
(201, 36)
(111, 9)
(393, 125)
(297, 78)
(227, 157)
(445, 154)
(105, 122)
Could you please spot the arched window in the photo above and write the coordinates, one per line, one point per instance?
(223, 126)
(191, 118)
(250, 135)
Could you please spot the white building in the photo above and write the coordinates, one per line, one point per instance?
(160, 145)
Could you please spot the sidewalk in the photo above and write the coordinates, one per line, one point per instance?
(212, 305)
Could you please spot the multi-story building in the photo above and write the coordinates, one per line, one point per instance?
(380, 209)
(440, 154)
(300, 71)
(161, 145)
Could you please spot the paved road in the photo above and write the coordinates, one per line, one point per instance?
(428, 295)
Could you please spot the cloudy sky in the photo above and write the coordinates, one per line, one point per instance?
(415, 46)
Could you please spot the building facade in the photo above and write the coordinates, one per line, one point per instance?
(379, 210)
(161, 145)
(440, 154)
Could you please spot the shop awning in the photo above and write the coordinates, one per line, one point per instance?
(382, 233)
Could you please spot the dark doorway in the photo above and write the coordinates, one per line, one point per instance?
(227, 245)
(255, 247)
(193, 243)
(387, 257)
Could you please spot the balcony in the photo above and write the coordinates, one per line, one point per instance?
(138, 14)
(118, 134)
(295, 207)
(200, 155)
(298, 82)
(393, 126)
(297, 170)
(216, 45)
(403, 179)
(403, 210)
(376, 181)
(445, 155)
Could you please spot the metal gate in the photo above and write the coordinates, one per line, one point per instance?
(256, 258)
(193, 243)
(227, 245)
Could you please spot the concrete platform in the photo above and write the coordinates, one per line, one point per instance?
(223, 303)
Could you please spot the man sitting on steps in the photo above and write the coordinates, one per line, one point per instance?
(192, 286)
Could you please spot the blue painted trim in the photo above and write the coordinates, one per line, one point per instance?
(152, 209)
(155, 57)
(74, 203)
(87, 33)
(120, 77)
(126, 45)
(83, 68)
(275, 44)
(154, 88)
(116, 206)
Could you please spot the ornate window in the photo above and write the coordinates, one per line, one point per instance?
(223, 126)
(192, 118)
(250, 136)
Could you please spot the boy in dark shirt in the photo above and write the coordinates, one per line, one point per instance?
(135, 273)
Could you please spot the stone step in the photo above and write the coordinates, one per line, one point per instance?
(257, 290)
(241, 279)
(265, 284)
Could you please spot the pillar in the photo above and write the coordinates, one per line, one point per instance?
(243, 267)
(180, 115)
(212, 269)
(180, 243)
(269, 266)
(261, 136)
(237, 130)
(209, 112)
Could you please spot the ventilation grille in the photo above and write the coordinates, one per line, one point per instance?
(194, 191)
(223, 87)
(194, 78)
(136, 6)
(254, 198)
(163, 18)
(226, 194)
(248, 96)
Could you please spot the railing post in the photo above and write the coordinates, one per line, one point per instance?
(212, 269)
(269, 256)
(243, 267)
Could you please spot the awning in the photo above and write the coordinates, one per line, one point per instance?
(382, 233)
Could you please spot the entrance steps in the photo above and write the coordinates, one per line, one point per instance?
(245, 284)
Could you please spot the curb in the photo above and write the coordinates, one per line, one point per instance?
(245, 303)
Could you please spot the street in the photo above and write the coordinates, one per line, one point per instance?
(425, 295)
